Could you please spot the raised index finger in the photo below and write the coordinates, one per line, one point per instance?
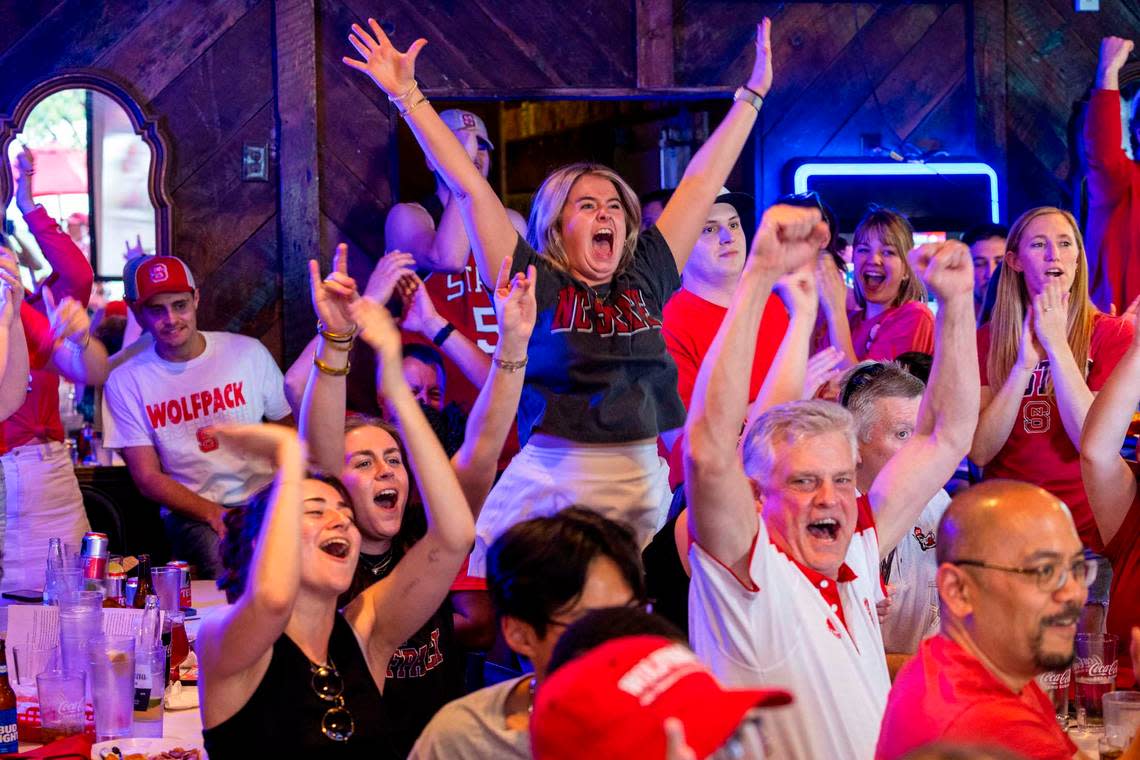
(49, 299)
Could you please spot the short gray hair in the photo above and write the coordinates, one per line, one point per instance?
(876, 380)
(790, 423)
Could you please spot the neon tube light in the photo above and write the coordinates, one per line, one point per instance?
(862, 169)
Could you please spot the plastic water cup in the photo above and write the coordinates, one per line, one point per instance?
(1122, 714)
(65, 582)
(63, 704)
(150, 682)
(168, 585)
(111, 667)
(77, 625)
(29, 661)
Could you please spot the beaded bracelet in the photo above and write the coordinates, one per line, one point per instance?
(509, 366)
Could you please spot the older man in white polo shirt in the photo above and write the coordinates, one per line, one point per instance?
(787, 598)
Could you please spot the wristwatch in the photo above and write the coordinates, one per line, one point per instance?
(749, 96)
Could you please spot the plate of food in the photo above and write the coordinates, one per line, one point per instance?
(165, 748)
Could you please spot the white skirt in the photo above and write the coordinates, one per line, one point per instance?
(41, 501)
(628, 483)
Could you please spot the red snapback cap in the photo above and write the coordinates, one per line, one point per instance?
(613, 702)
(161, 274)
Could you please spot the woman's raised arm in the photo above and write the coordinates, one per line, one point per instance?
(492, 235)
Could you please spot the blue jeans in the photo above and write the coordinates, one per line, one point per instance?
(195, 542)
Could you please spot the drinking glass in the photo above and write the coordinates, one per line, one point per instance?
(1055, 684)
(30, 660)
(63, 704)
(111, 666)
(179, 644)
(150, 683)
(1122, 714)
(168, 585)
(1094, 670)
(78, 624)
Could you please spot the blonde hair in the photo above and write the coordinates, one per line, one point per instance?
(894, 231)
(544, 229)
(791, 423)
(1013, 298)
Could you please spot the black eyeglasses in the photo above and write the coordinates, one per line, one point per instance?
(1051, 577)
(337, 722)
(803, 199)
(859, 378)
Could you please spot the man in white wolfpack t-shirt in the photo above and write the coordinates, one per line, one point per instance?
(787, 598)
(162, 400)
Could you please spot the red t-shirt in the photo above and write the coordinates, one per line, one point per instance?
(690, 324)
(945, 694)
(1123, 551)
(1038, 449)
(1112, 235)
(909, 327)
(463, 300)
(38, 417)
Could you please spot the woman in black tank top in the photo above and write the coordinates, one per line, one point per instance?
(282, 671)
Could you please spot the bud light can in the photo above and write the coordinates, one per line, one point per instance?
(94, 553)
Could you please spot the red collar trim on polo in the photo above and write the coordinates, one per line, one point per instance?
(826, 587)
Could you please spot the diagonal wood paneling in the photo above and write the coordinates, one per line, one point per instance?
(151, 54)
(72, 34)
(219, 92)
(208, 232)
(818, 112)
(19, 18)
(498, 47)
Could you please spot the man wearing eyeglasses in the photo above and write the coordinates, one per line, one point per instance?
(1012, 578)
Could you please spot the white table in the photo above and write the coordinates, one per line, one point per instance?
(187, 724)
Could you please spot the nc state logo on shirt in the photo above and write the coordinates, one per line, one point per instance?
(158, 273)
(206, 442)
(926, 541)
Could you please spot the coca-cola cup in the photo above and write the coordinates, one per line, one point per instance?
(1094, 670)
(1055, 684)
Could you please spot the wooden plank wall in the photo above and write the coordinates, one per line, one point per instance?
(1051, 57)
(996, 78)
(206, 71)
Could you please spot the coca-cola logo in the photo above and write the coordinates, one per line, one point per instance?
(1055, 679)
(1095, 667)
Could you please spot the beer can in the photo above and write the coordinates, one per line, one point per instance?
(94, 553)
(184, 601)
(116, 587)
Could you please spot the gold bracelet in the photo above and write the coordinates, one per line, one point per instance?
(335, 337)
(406, 93)
(80, 347)
(509, 366)
(340, 345)
(404, 112)
(325, 368)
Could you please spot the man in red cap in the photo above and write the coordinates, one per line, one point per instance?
(616, 700)
(161, 401)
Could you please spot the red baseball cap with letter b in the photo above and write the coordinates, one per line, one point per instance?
(613, 702)
(157, 275)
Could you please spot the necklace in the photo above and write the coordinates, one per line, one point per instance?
(530, 696)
